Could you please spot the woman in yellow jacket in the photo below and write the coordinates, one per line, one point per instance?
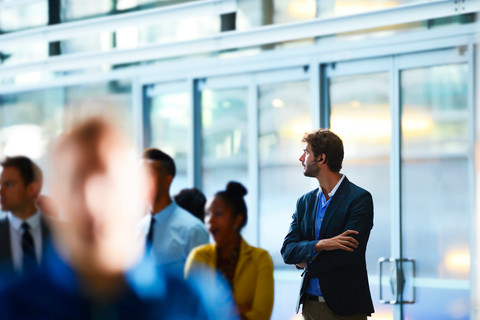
(248, 270)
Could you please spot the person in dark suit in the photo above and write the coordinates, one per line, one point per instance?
(23, 233)
(328, 235)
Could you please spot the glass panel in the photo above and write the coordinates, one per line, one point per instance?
(174, 29)
(328, 8)
(167, 30)
(29, 121)
(224, 138)
(170, 120)
(435, 189)
(284, 116)
(104, 99)
(73, 10)
(254, 13)
(19, 16)
(360, 115)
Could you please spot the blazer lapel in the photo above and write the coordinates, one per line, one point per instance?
(337, 198)
(312, 203)
(5, 248)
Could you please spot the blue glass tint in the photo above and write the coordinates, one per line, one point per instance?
(170, 122)
(436, 187)
(224, 138)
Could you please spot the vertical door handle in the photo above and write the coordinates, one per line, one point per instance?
(409, 263)
(381, 262)
(398, 280)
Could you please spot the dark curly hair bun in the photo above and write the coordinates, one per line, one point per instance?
(236, 189)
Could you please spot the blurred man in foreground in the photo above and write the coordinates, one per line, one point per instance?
(95, 271)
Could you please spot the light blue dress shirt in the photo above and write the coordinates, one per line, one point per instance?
(313, 287)
(175, 233)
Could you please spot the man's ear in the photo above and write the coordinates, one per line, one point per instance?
(323, 158)
(169, 179)
(33, 189)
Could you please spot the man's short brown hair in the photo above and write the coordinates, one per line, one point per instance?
(327, 142)
(29, 171)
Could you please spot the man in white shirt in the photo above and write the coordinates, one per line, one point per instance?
(171, 232)
(22, 231)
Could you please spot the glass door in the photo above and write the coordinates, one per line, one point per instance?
(406, 126)
(224, 133)
(359, 97)
(168, 121)
(435, 182)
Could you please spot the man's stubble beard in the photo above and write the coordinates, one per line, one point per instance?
(311, 172)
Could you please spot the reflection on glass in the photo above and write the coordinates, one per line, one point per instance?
(284, 116)
(348, 7)
(165, 31)
(174, 29)
(254, 13)
(360, 115)
(170, 120)
(224, 138)
(435, 203)
(29, 121)
(72, 9)
(104, 99)
(18, 16)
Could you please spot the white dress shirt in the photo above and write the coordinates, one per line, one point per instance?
(16, 237)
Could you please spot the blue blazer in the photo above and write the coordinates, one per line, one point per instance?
(342, 275)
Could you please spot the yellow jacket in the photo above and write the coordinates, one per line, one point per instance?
(253, 280)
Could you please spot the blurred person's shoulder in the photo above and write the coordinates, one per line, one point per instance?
(31, 297)
(166, 294)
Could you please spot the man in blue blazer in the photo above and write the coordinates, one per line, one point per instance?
(328, 235)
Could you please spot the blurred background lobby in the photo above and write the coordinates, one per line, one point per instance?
(228, 87)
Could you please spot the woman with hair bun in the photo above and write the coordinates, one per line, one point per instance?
(248, 270)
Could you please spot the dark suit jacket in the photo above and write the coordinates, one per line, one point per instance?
(6, 261)
(342, 275)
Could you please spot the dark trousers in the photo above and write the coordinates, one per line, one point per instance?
(314, 310)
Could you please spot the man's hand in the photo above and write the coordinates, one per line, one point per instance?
(343, 242)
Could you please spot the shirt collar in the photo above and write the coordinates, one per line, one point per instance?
(165, 213)
(331, 193)
(33, 221)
